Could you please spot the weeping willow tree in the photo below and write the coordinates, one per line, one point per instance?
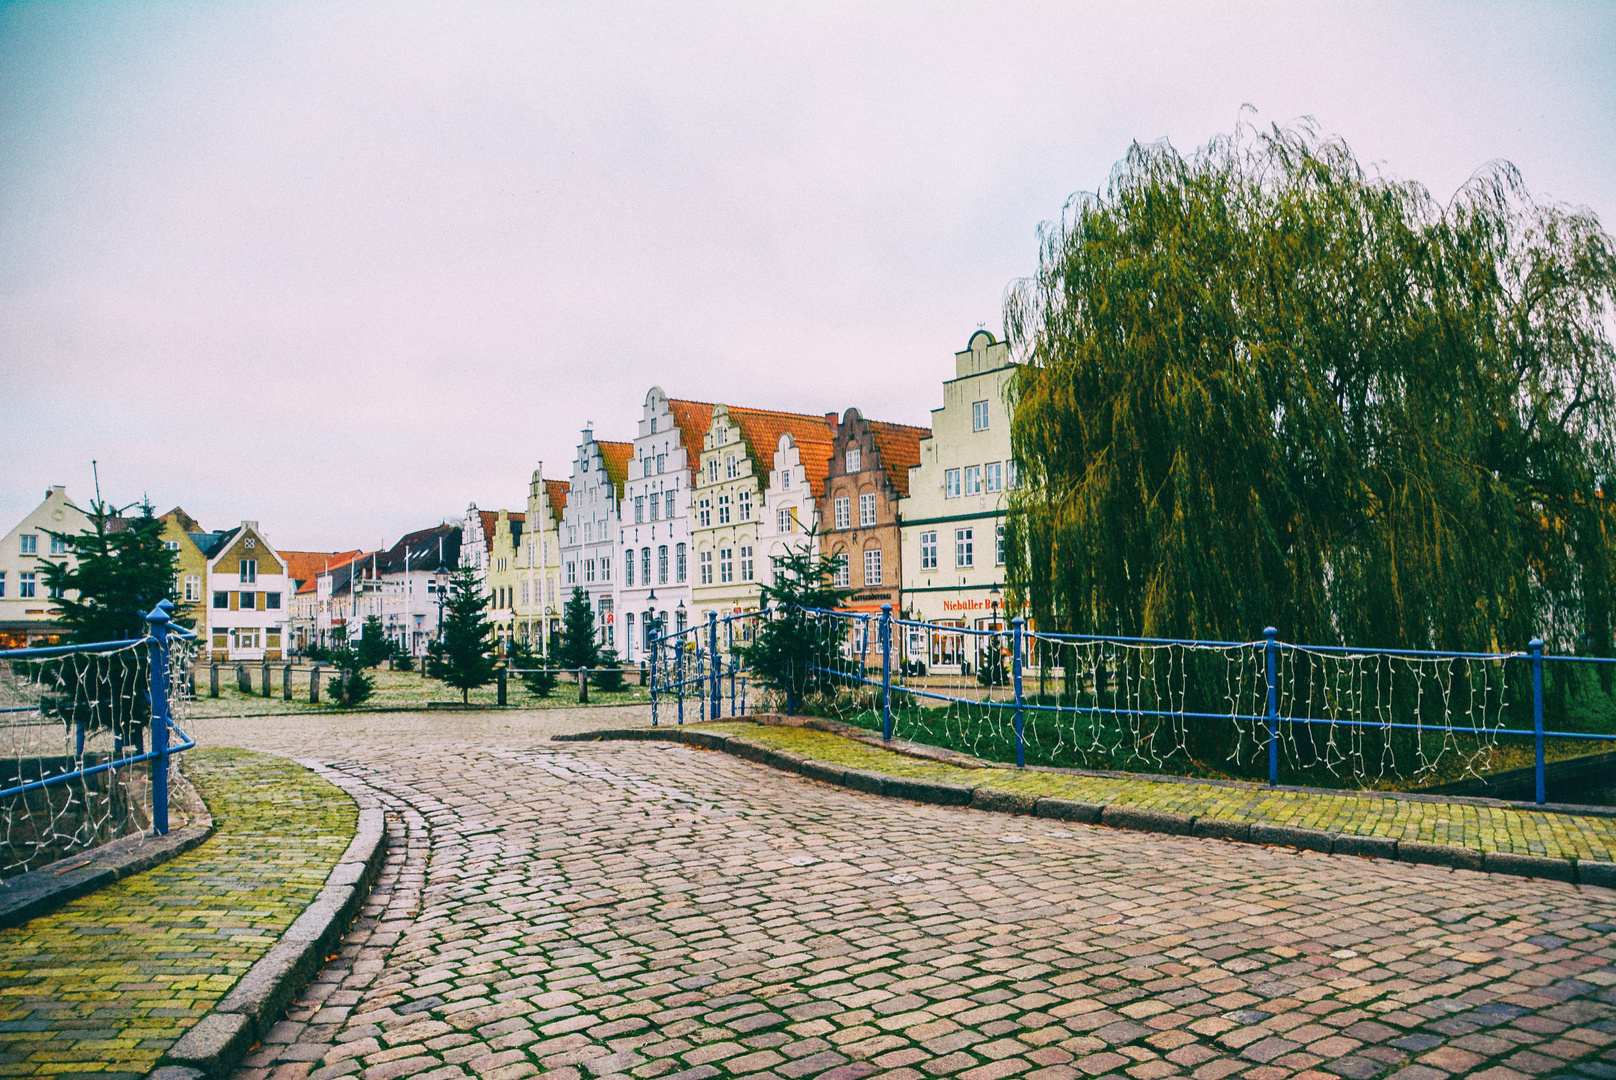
(1261, 385)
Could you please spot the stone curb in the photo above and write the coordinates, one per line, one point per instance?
(241, 1019)
(984, 797)
(40, 892)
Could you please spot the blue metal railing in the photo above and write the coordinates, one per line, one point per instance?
(709, 669)
(158, 644)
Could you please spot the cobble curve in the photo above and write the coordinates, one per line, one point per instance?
(599, 910)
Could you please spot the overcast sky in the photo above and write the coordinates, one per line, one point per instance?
(346, 268)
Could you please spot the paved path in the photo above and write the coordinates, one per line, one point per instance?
(639, 909)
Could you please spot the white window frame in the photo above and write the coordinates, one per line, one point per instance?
(872, 566)
(679, 567)
(951, 484)
(979, 416)
(746, 562)
(726, 566)
(853, 460)
(28, 544)
(844, 511)
(999, 546)
(973, 479)
(866, 509)
(964, 549)
(723, 509)
(840, 575)
(248, 571)
(928, 550)
(704, 560)
(993, 476)
(743, 502)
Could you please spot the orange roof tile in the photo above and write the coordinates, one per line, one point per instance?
(899, 447)
(557, 491)
(616, 457)
(813, 436)
(693, 418)
(305, 566)
(490, 519)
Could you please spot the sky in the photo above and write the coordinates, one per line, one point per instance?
(346, 268)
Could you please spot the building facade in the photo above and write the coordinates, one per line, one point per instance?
(952, 531)
(654, 552)
(27, 616)
(413, 579)
(538, 607)
(859, 515)
(738, 454)
(790, 504)
(249, 615)
(589, 528)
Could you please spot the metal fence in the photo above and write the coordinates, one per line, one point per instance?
(78, 772)
(1118, 701)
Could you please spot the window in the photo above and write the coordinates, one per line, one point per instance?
(272, 601)
(872, 566)
(272, 638)
(221, 640)
(866, 509)
(785, 479)
(605, 569)
(645, 465)
(745, 501)
(245, 637)
(979, 416)
(999, 547)
(853, 459)
(2, 583)
(589, 570)
(712, 471)
(951, 487)
(662, 565)
(928, 551)
(705, 512)
(726, 565)
(59, 545)
(639, 509)
(656, 508)
(645, 566)
(572, 573)
(844, 514)
(628, 569)
(248, 602)
(30, 544)
(1009, 474)
(785, 522)
(221, 601)
(589, 532)
(628, 634)
(25, 585)
(171, 545)
(661, 462)
(746, 564)
(527, 593)
(723, 509)
(679, 563)
(705, 561)
(839, 575)
(249, 571)
(667, 503)
(732, 468)
(54, 592)
(973, 480)
(193, 588)
(993, 476)
(963, 557)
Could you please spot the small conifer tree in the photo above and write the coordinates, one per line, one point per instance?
(464, 661)
(579, 647)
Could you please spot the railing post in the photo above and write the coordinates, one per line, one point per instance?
(654, 644)
(1015, 670)
(213, 679)
(158, 673)
(1273, 707)
(679, 676)
(314, 685)
(264, 680)
(886, 672)
(583, 686)
(1536, 645)
(286, 682)
(713, 671)
(501, 674)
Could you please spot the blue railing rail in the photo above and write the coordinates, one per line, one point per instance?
(695, 663)
(162, 631)
(708, 665)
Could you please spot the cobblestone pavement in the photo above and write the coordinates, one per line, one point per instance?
(597, 910)
(106, 984)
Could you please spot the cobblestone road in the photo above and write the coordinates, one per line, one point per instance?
(598, 910)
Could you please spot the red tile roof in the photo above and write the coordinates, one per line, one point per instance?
(616, 456)
(693, 418)
(557, 491)
(304, 566)
(899, 446)
(489, 519)
(813, 435)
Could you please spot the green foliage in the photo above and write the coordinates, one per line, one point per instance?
(793, 642)
(609, 675)
(402, 660)
(373, 644)
(121, 571)
(1262, 387)
(579, 646)
(462, 659)
(350, 686)
(539, 681)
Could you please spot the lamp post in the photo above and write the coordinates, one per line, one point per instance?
(993, 623)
